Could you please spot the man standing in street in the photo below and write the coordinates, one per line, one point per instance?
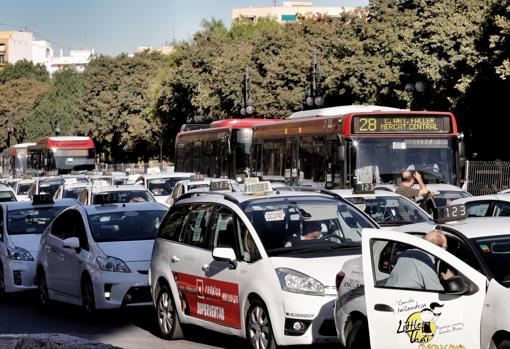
(406, 189)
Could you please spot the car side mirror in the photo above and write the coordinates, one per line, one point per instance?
(456, 285)
(225, 254)
(72, 243)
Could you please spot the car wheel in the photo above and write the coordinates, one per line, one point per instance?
(258, 327)
(168, 320)
(87, 296)
(358, 337)
(42, 286)
(2, 283)
(504, 344)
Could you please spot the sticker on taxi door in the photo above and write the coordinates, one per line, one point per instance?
(208, 299)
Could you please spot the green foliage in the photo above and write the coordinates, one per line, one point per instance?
(57, 107)
(115, 106)
(24, 69)
(19, 98)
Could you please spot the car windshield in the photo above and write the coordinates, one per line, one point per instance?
(24, 188)
(390, 210)
(495, 251)
(49, 187)
(6, 196)
(73, 193)
(305, 223)
(125, 196)
(31, 220)
(444, 197)
(125, 225)
(163, 186)
(196, 186)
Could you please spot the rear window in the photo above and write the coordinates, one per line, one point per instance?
(125, 225)
(6, 196)
(128, 196)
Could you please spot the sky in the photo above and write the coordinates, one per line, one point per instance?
(112, 27)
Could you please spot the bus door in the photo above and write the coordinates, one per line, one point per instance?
(335, 169)
(197, 156)
(292, 163)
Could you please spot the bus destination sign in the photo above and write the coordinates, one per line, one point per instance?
(400, 123)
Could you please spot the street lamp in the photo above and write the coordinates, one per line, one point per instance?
(313, 95)
(57, 129)
(161, 154)
(412, 87)
(247, 108)
(10, 130)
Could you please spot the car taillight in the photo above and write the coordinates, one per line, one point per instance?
(339, 278)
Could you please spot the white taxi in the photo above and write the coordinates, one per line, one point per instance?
(470, 311)
(98, 256)
(161, 185)
(22, 224)
(260, 266)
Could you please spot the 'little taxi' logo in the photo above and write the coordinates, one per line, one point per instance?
(420, 326)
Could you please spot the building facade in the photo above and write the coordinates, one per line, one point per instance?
(15, 46)
(289, 12)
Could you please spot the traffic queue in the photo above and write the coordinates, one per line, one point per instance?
(275, 264)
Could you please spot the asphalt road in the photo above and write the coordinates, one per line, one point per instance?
(132, 328)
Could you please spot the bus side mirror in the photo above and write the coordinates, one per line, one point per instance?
(462, 153)
(340, 154)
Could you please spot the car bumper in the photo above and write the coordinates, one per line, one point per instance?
(315, 312)
(19, 276)
(115, 290)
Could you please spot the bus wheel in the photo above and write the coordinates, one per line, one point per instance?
(358, 337)
(258, 327)
(168, 320)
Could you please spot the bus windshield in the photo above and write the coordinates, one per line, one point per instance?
(381, 160)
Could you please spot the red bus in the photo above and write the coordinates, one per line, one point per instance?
(339, 146)
(221, 150)
(62, 154)
(14, 159)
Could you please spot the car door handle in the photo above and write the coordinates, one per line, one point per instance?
(383, 307)
(206, 267)
(175, 259)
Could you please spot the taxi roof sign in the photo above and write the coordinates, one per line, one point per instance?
(220, 186)
(104, 199)
(364, 188)
(257, 188)
(450, 213)
(249, 180)
(42, 199)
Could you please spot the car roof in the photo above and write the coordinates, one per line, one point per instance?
(137, 187)
(494, 197)
(240, 197)
(477, 227)
(138, 206)
(167, 175)
(16, 205)
(348, 193)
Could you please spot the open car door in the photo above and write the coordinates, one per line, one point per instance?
(413, 317)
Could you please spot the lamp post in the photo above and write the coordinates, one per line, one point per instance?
(10, 130)
(161, 153)
(412, 87)
(247, 108)
(313, 93)
(57, 129)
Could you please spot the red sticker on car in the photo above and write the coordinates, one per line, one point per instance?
(208, 299)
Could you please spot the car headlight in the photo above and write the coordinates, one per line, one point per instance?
(19, 254)
(112, 264)
(296, 282)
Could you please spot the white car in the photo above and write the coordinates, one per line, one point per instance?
(238, 263)
(124, 194)
(70, 191)
(486, 205)
(98, 256)
(161, 185)
(182, 187)
(471, 312)
(386, 208)
(22, 225)
(7, 193)
(23, 188)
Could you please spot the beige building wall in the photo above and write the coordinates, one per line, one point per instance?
(289, 11)
(15, 46)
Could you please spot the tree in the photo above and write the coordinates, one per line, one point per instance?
(19, 98)
(115, 106)
(24, 69)
(57, 107)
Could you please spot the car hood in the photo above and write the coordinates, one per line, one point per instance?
(128, 251)
(29, 242)
(324, 269)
